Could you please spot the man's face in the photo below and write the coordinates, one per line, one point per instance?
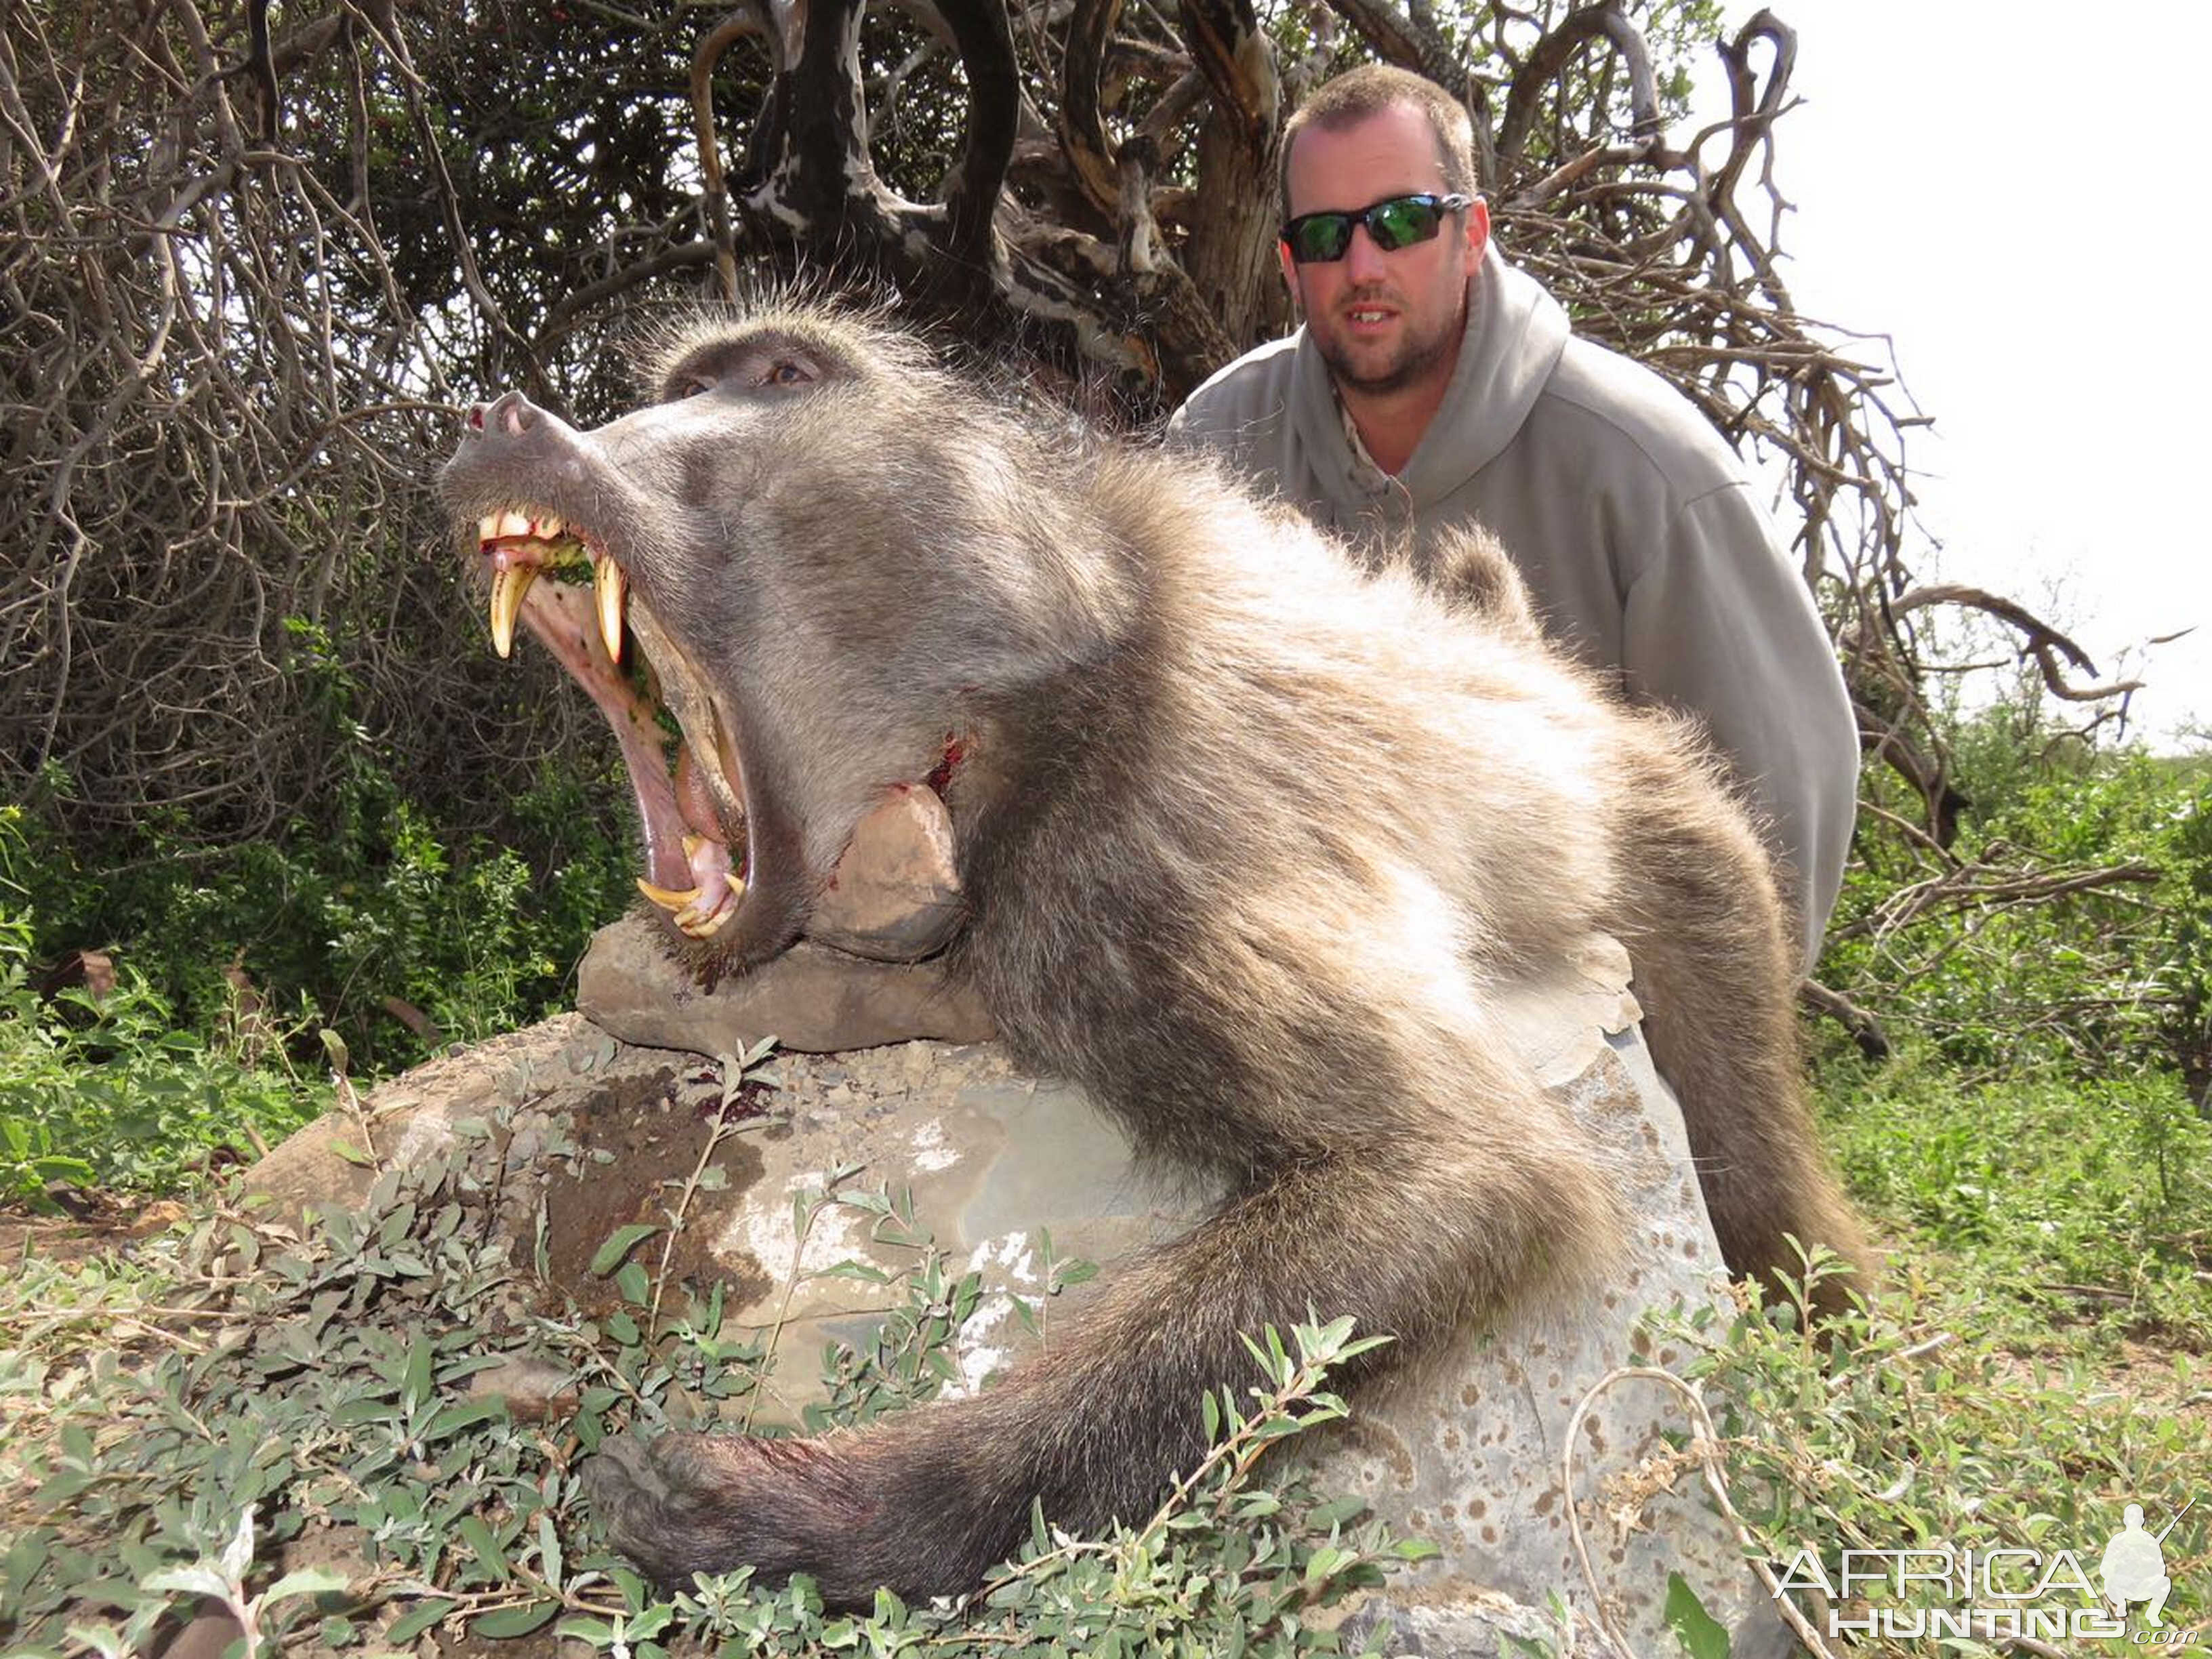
(1383, 321)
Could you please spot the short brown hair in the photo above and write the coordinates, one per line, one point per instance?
(1354, 95)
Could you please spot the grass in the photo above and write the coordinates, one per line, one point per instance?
(2079, 1213)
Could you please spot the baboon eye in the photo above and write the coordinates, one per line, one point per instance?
(691, 385)
(786, 371)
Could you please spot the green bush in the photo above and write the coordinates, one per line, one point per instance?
(2061, 1202)
(2069, 926)
(346, 1419)
(360, 903)
(111, 1091)
(1906, 1428)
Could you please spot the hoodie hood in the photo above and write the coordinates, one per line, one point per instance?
(1515, 334)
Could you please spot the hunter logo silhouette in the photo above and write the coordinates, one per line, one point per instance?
(2134, 1567)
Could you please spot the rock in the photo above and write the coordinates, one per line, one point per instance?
(554, 1069)
(811, 998)
(895, 895)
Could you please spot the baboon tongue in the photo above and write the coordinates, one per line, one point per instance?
(712, 897)
(692, 797)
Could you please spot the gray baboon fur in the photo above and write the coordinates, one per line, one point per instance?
(1248, 838)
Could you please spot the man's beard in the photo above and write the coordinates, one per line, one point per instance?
(1417, 355)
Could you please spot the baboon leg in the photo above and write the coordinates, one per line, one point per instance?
(1715, 972)
(1406, 1231)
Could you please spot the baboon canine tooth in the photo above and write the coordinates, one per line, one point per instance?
(667, 899)
(508, 584)
(708, 926)
(610, 587)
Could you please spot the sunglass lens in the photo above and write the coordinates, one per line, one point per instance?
(1322, 236)
(1401, 223)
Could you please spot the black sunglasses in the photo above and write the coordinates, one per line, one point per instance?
(1395, 223)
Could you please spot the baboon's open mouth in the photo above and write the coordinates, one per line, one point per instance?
(692, 803)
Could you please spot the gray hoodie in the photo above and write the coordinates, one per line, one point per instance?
(1645, 550)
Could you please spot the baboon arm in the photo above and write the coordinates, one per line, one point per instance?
(1408, 1239)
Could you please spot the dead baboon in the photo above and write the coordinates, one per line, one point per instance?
(1246, 838)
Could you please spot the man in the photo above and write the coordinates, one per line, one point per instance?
(1432, 385)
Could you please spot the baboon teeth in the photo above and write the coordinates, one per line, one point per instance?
(513, 526)
(666, 899)
(610, 588)
(696, 926)
(694, 915)
(508, 584)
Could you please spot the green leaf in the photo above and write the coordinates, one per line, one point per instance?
(1702, 1636)
(1325, 1561)
(417, 1619)
(1337, 1512)
(416, 1385)
(651, 1622)
(466, 1414)
(514, 1621)
(549, 1552)
(188, 1581)
(478, 1537)
(238, 1554)
(306, 1581)
(618, 1246)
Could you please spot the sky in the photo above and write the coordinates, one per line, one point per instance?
(2008, 193)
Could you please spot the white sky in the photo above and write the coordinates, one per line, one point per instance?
(2015, 195)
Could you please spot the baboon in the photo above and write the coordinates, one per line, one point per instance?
(1247, 837)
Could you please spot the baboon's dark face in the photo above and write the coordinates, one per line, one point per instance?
(769, 548)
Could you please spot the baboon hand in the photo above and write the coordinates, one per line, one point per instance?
(691, 1502)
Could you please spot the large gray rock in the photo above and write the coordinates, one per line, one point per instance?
(811, 998)
(1468, 1453)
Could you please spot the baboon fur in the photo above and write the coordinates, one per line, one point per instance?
(1249, 839)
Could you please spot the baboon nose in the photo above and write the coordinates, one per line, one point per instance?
(512, 414)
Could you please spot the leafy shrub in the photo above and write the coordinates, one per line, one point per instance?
(360, 911)
(109, 1091)
(2069, 926)
(1903, 1429)
(2059, 1199)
